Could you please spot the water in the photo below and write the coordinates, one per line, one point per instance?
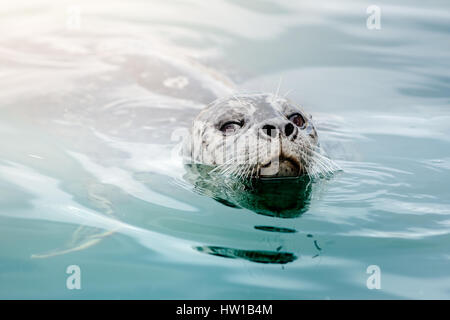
(88, 174)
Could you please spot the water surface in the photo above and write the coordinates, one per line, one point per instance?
(93, 107)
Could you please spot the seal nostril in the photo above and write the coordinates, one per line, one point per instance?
(270, 130)
(288, 129)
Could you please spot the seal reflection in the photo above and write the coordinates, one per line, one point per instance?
(260, 256)
(275, 197)
(284, 198)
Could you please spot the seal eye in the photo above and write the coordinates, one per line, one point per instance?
(297, 119)
(230, 127)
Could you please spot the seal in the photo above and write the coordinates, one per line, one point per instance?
(288, 198)
(256, 135)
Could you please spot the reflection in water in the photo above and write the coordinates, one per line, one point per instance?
(278, 198)
(259, 256)
(275, 229)
(281, 198)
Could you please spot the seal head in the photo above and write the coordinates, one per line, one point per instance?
(254, 135)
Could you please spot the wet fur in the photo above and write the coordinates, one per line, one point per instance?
(249, 153)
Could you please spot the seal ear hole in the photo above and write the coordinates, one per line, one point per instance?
(298, 120)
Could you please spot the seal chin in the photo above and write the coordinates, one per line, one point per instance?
(282, 167)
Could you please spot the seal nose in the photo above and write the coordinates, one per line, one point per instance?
(270, 130)
(288, 129)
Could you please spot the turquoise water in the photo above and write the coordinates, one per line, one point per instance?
(89, 173)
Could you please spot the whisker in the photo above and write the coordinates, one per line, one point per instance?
(279, 86)
(287, 93)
